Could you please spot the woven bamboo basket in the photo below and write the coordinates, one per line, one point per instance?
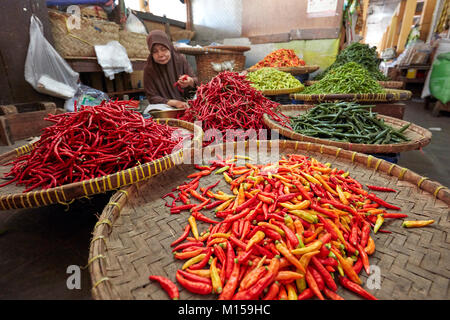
(132, 237)
(390, 95)
(12, 196)
(204, 57)
(135, 44)
(94, 12)
(80, 42)
(281, 91)
(419, 137)
(384, 84)
(292, 70)
(182, 35)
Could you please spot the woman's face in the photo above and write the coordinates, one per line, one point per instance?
(160, 53)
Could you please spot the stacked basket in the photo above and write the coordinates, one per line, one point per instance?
(79, 40)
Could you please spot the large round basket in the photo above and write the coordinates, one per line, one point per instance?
(230, 47)
(419, 137)
(281, 91)
(206, 57)
(135, 44)
(390, 95)
(293, 70)
(13, 197)
(80, 41)
(384, 84)
(132, 237)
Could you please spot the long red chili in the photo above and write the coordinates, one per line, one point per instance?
(167, 285)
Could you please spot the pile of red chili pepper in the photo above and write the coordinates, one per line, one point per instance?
(280, 58)
(229, 101)
(288, 230)
(91, 142)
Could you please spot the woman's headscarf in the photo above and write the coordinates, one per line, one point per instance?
(158, 78)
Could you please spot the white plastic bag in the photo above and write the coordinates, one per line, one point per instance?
(45, 69)
(113, 58)
(133, 24)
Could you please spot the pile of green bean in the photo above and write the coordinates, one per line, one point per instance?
(272, 79)
(348, 122)
(360, 53)
(346, 79)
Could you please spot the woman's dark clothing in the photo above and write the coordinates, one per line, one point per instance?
(159, 79)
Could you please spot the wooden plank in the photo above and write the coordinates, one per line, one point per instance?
(364, 18)
(313, 34)
(118, 82)
(28, 124)
(14, 41)
(5, 135)
(97, 80)
(280, 37)
(265, 17)
(406, 25)
(383, 40)
(109, 85)
(392, 30)
(395, 110)
(426, 18)
(399, 12)
(189, 23)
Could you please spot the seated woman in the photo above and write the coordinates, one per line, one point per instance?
(163, 69)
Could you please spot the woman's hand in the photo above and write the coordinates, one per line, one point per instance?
(186, 81)
(177, 104)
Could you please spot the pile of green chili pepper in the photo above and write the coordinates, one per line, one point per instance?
(272, 79)
(347, 121)
(359, 53)
(346, 79)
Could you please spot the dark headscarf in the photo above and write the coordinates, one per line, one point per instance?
(158, 78)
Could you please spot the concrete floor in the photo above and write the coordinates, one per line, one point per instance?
(38, 245)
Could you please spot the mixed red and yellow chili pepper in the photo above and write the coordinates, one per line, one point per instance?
(287, 230)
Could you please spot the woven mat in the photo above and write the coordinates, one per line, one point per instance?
(132, 238)
(419, 137)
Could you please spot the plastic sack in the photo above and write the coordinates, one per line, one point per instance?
(133, 24)
(439, 84)
(85, 96)
(45, 69)
(113, 58)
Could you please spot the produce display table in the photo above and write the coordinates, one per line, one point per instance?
(121, 85)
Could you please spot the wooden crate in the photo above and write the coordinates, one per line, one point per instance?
(24, 120)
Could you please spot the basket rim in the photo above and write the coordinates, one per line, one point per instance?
(385, 84)
(230, 48)
(204, 50)
(275, 92)
(90, 187)
(102, 288)
(388, 95)
(292, 70)
(360, 147)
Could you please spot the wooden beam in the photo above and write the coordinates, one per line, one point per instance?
(392, 30)
(382, 45)
(406, 24)
(188, 14)
(365, 10)
(144, 6)
(426, 18)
